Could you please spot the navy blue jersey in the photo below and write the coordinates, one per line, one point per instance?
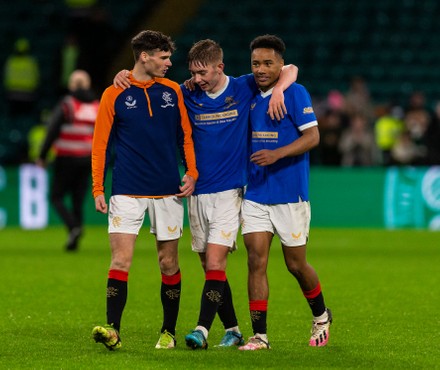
(142, 125)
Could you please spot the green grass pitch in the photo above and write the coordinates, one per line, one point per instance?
(382, 286)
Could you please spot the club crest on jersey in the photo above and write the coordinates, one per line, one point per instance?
(130, 102)
(166, 96)
(229, 100)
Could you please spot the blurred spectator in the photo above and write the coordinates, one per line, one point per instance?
(418, 120)
(68, 61)
(388, 128)
(405, 151)
(358, 100)
(336, 101)
(36, 137)
(331, 125)
(89, 23)
(433, 138)
(70, 129)
(21, 80)
(357, 143)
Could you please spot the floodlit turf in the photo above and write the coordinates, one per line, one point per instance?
(382, 287)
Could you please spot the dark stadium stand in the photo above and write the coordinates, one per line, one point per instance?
(394, 45)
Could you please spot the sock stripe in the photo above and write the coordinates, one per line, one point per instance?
(172, 279)
(257, 305)
(118, 275)
(310, 294)
(215, 275)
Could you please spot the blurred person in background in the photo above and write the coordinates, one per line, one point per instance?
(387, 130)
(21, 81)
(332, 124)
(70, 132)
(358, 99)
(405, 152)
(357, 144)
(420, 123)
(433, 137)
(67, 61)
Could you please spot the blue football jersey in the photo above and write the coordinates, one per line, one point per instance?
(220, 134)
(287, 180)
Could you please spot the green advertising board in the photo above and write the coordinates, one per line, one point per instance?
(394, 197)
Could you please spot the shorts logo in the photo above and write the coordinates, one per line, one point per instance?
(130, 102)
(116, 221)
(166, 96)
(296, 236)
(226, 235)
(172, 229)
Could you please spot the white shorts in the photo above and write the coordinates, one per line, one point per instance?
(214, 218)
(291, 221)
(126, 215)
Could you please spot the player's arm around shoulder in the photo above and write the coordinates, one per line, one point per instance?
(277, 108)
(188, 144)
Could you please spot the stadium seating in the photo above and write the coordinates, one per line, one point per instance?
(393, 44)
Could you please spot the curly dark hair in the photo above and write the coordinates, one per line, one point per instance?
(268, 42)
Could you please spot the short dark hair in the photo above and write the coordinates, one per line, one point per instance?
(149, 41)
(269, 42)
(205, 52)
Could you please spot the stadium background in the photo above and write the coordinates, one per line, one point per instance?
(392, 44)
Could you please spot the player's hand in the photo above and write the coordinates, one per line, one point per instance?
(190, 84)
(188, 186)
(264, 157)
(121, 79)
(100, 204)
(277, 108)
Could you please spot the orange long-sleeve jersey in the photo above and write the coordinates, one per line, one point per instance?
(139, 130)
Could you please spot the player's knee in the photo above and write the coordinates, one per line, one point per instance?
(296, 269)
(256, 263)
(168, 264)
